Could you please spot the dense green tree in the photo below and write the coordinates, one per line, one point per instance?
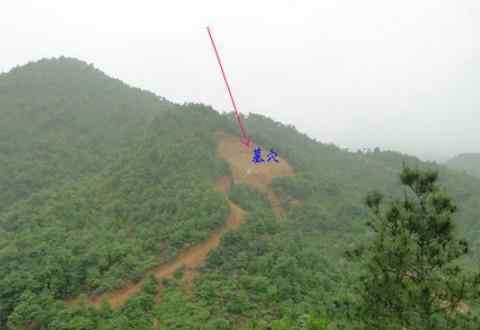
(413, 279)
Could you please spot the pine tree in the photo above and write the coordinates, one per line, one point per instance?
(413, 277)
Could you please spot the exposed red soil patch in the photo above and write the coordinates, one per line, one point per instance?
(244, 171)
(239, 157)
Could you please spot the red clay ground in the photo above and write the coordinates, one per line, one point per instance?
(244, 171)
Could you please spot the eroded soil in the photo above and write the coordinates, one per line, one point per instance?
(244, 171)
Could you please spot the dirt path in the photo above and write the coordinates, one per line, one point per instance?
(190, 258)
(244, 171)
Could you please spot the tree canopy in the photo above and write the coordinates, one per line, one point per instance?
(101, 182)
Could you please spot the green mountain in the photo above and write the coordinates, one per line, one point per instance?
(469, 163)
(103, 182)
(62, 119)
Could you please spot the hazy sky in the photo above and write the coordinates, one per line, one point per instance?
(401, 75)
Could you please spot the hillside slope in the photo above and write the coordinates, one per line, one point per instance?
(104, 182)
(61, 119)
(469, 163)
(243, 171)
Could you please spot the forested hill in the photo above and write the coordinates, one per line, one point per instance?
(101, 182)
(61, 119)
(469, 163)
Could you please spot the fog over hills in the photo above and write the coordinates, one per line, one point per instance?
(469, 163)
(401, 76)
(128, 201)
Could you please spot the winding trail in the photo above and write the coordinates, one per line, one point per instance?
(244, 171)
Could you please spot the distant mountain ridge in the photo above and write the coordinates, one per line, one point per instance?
(468, 162)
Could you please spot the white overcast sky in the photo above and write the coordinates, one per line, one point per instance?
(401, 75)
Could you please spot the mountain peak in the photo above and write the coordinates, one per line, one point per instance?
(66, 77)
(53, 63)
(60, 72)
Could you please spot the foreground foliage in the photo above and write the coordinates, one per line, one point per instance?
(413, 280)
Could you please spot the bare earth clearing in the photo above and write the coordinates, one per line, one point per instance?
(244, 171)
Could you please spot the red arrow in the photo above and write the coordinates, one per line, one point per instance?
(245, 139)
